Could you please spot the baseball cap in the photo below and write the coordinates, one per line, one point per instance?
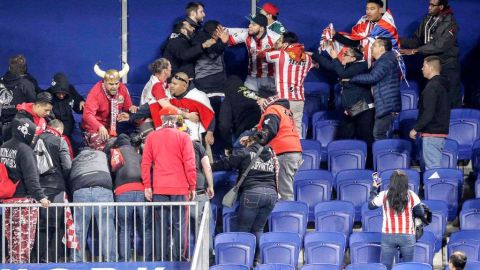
(259, 19)
(270, 9)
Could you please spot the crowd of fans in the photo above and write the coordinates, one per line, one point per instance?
(190, 106)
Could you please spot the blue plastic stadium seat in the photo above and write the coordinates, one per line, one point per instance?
(470, 215)
(366, 266)
(280, 247)
(372, 220)
(354, 186)
(346, 154)
(274, 266)
(325, 131)
(229, 267)
(409, 99)
(365, 247)
(289, 216)
(466, 241)
(235, 248)
(412, 266)
(324, 247)
(391, 154)
(312, 187)
(476, 156)
(447, 187)
(334, 216)
(465, 129)
(425, 248)
(321, 266)
(438, 226)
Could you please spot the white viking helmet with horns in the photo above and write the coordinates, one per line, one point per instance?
(111, 75)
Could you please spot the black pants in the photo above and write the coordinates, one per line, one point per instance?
(359, 127)
(452, 73)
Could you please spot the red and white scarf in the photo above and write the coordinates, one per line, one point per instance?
(70, 238)
(113, 111)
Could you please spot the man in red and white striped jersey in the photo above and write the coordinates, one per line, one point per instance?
(258, 40)
(292, 65)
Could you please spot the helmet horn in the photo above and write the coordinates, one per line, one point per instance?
(100, 73)
(124, 70)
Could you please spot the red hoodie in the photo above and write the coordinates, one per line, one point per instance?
(170, 153)
(39, 121)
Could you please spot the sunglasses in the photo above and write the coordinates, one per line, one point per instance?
(180, 78)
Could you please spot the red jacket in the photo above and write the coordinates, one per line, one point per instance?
(96, 112)
(170, 153)
(39, 121)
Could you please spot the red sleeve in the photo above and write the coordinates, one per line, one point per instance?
(146, 165)
(188, 155)
(158, 92)
(90, 110)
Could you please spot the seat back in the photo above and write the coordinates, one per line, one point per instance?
(274, 266)
(391, 154)
(354, 186)
(372, 220)
(312, 187)
(235, 248)
(334, 216)
(365, 247)
(425, 248)
(366, 266)
(438, 226)
(289, 216)
(412, 266)
(346, 154)
(324, 247)
(229, 267)
(409, 99)
(444, 185)
(321, 266)
(325, 131)
(276, 247)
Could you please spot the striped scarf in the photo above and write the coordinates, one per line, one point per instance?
(113, 111)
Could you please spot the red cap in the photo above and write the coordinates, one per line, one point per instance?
(168, 111)
(270, 9)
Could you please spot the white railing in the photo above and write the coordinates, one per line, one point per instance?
(98, 228)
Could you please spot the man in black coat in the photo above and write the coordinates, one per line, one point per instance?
(15, 88)
(179, 50)
(434, 114)
(65, 99)
(437, 35)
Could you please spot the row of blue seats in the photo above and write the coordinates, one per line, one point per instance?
(326, 266)
(330, 247)
(464, 129)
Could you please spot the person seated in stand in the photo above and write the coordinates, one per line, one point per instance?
(107, 103)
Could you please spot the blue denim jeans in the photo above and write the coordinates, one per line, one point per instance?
(171, 225)
(104, 217)
(432, 149)
(130, 218)
(255, 207)
(391, 242)
(381, 127)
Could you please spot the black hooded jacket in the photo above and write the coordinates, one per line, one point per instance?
(18, 157)
(181, 54)
(19, 89)
(130, 172)
(262, 173)
(62, 108)
(237, 113)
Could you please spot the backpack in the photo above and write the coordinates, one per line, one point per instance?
(44, 160)
(8, 186)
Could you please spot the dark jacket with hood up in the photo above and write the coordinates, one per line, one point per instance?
(181, 54)
(62, 108)
(262, 173)
(53, 182)
(90, 169)
(18, 89)
(18, 157)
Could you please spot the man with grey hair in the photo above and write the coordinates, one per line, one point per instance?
(161, 70)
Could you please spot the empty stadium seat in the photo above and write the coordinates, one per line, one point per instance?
(235, 248)
(289, 216)
(409, 99)
(391, 154)
(334, 216)
(446, 187)
(229, 217)
(366, 266)
(346, 154)
(470, 215)
(274, 266)
(465, 129)
(476, 156)
(365, 247)
(325, 131)
(438, 226)
(354, 186)
(229, 267)
(311, 160)
(372, 220)
(477, 187)
(466, 241)
(305, 126)
(280, 247)
(321, 266)
(413, 179)
(311, 187)
(324, 247)
(412, 266)
(425, 248)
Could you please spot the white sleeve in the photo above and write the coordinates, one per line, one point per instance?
(272, 56)
(237, 35)
(378, 200)
(416, 199)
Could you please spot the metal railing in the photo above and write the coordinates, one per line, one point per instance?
(105, 232)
